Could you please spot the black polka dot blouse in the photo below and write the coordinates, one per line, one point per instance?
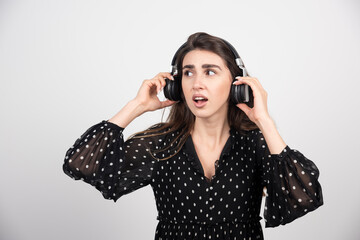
(191, 206)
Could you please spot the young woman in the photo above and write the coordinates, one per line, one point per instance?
(210, 161)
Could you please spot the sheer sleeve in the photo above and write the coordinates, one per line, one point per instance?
(291, 181)
(101, 158)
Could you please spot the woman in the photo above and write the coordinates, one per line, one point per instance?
(209, 163)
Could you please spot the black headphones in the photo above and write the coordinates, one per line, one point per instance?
(241, 93)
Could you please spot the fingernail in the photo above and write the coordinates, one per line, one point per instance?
(172, 78)
(238, 77)
(235, 82)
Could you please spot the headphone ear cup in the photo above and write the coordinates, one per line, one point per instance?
(235, 94)
(241, 93)
(172, 89)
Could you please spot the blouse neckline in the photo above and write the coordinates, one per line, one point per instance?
(193, 158)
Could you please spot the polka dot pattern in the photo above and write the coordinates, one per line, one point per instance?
(190, 205)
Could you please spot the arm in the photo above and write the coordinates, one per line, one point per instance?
(146, 100)
(128, 113)
(273, 139)
(291, 180)
(100, 156)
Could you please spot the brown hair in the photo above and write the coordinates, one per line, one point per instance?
(180, 118)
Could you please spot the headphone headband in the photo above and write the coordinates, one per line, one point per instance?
(238, 60)
(241, 93)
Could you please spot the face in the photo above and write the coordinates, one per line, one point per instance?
(206, 83)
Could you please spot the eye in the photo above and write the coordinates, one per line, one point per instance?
(188, 73)
(210, 72)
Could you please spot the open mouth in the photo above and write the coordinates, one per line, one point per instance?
(200, 99)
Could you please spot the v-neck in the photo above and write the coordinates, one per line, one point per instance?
(190, 146)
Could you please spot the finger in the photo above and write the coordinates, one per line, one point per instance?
(248, 80)
(244, 78)
(151, 84)
(162, 81)
(251, 83)
(253, 79)
(166, 75)
(254, 84)
(158, 88)
(161, 76)
(159, 83)
(259, 84)
(244, 108)
(167, 103)
(241, 80)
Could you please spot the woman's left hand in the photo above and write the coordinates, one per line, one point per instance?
(259, 111)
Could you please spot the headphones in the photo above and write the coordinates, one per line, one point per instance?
(241, 93)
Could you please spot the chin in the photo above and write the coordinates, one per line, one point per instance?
(201, 113)
(204, 113)
(202, 116)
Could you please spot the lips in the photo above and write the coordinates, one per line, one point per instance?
(199, 97)
(199, 100)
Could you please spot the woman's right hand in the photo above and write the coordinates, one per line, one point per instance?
(147, 94)
(145, 100)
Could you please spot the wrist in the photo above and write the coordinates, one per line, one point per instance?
(272, 137)
(127, 114)
(136, 107)
(265, 123)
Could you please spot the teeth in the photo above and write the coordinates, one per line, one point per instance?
(199, 98)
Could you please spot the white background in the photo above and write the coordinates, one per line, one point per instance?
(67, 65)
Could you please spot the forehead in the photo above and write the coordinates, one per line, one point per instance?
(199, 57)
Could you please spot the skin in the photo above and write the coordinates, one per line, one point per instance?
(205, 72)
(211, 128)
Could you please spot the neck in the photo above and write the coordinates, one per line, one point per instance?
(210, 132)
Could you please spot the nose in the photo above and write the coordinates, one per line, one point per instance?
(198, 82)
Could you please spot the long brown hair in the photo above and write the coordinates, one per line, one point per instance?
(180, 118)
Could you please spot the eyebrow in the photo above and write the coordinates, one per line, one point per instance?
(191, 66)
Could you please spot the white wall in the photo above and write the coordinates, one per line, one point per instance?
(66, 65)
